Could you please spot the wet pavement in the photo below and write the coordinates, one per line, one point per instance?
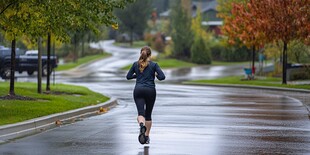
(186, 119)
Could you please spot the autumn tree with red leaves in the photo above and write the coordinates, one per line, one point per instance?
(268, 21)
(241, 26)
(282, 20)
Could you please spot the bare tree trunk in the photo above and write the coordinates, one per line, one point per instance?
(131, 37)
(40, 65)
(83, 46)
(284, 64)
(48, 62)
(13, 60)
(54, 54)
(75, 49)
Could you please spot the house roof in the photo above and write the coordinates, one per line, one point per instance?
(165, 14)
(204, 7)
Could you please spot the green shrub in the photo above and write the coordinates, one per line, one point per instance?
(222, 51)
(200, 52)
(300, 73)
(235, 53)
(181, 35)
(216, 51)
(155, 41)
(159, 43)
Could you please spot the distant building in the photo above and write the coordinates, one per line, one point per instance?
(209, 18)
(208, 10)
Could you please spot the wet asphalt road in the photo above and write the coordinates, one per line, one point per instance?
(186, 119)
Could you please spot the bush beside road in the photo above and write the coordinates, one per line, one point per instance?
(62, 98)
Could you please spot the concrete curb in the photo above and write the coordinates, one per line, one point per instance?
(33, 126)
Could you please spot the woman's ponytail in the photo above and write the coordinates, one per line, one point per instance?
(144, 58)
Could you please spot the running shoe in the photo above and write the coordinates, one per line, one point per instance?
(142, 137)
(147, 141)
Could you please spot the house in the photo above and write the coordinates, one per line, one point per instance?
(208, 10)
(209, 18)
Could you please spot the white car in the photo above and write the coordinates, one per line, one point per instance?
(31, 53)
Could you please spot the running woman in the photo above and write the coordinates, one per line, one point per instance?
(144, 71)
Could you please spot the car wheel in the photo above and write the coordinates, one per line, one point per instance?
(44, 70)
(1, 75)
(6, 73)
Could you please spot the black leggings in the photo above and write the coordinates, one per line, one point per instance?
(145, 98)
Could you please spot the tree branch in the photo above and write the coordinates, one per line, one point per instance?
(7, 7)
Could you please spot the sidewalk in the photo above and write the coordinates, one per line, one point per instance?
(300, 82)
(37, 125)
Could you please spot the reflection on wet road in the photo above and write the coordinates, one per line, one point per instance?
(187, 120)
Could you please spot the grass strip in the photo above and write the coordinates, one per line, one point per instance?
(168, 63)
(223, 63)
(246, 63)
(81, 61)
(62, 98)
(261, 81)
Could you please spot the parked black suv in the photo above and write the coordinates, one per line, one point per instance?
(27, 63)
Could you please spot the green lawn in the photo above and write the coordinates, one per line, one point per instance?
(263, 81)
(168, 63)
(81, 61)
(223, 63)
(246, 63)
(136, 44)
(12, 111)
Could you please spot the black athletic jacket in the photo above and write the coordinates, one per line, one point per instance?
(147, 77)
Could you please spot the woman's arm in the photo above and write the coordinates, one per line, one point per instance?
(131, 73)
(160, 74)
